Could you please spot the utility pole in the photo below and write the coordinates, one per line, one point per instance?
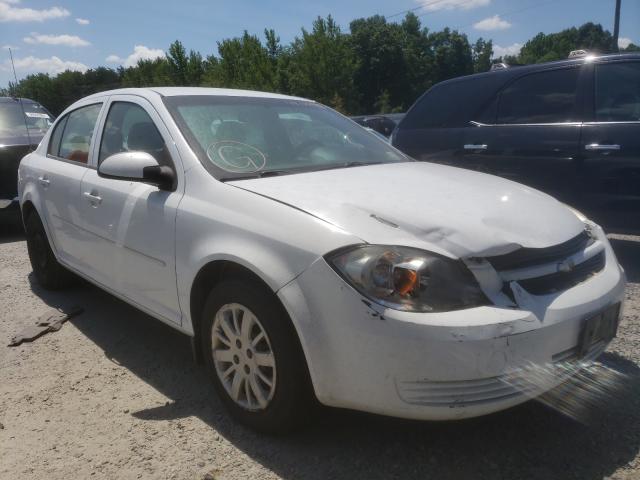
(616, 27)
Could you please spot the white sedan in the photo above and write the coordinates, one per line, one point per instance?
(308, 258)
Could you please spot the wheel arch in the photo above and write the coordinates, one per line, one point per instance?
(210, 275)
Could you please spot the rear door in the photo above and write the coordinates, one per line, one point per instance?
(68, 160)
(530, 133)
(433, 129)
(611, 145)
(133, 223)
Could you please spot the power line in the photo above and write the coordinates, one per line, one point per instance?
(424, 5)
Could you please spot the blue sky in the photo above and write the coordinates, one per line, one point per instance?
(49, 36)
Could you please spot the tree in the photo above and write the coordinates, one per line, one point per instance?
(482, 52)
(245, 63)
(184, 69)
(381, 67)
(556, 46)
(322, 65)
(452, 54)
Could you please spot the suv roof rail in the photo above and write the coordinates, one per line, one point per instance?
(577, 53)
(498, 66)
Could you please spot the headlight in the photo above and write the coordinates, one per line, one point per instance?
(408, 279)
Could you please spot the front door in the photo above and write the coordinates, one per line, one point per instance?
(134, 222)
(611, 146)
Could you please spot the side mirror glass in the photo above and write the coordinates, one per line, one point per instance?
(137, 167)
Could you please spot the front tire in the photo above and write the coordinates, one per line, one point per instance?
(253, 356)
(46, 268)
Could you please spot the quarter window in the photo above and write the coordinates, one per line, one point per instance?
(547, 97)
(129, 128)
(618, 92)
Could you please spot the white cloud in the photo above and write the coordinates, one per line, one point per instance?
(11, 13)
(45, 65)
(140, 52)
(492, 23)
(624, 42)
(83, 21)
(66, 40)
(434, 5)
(12, 47)
(513, 49)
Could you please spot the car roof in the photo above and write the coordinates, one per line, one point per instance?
(517, 70)
(16, 99)
(184, 91)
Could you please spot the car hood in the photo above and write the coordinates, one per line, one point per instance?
(448, 210)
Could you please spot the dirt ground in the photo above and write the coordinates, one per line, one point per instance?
(114, 394)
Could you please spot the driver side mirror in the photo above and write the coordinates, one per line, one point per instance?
(137, 167)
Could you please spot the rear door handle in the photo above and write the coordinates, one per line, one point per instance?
(93, 198)
(475, 146)
(44, 181)
(598, 147)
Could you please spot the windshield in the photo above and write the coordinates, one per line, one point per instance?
(13, 122)
(243, 137)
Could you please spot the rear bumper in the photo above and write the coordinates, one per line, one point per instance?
(442, 365)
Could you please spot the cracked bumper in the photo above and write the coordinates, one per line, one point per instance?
(441, 365)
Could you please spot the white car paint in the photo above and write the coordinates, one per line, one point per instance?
(147, 246)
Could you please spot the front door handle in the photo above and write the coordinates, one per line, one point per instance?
(475, 146)
(93, 198)
(44, 181)
(598, 147)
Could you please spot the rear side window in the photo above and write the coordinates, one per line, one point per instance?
(72, 136)
(546, 97)
(618, 92)
(452, 104)
(130, 128)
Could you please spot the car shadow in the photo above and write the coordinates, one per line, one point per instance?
(531, 441)
(628, 253)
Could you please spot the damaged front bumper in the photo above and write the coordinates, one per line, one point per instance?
(437, 366)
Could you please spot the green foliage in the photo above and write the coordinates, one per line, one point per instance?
(378, 66)
(246, 63)
(556, 46)
(321, 65)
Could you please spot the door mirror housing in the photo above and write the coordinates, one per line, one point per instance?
(137, 167)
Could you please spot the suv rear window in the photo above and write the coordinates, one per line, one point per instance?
(545, 97)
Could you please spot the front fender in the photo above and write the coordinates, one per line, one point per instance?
(274, 241)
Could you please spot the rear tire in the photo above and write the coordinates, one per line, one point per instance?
(273, 393)
(48, 272)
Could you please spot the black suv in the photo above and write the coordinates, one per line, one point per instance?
(570, 128)
(23, 123)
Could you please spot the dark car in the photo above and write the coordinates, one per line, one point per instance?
(570, 128)
(383, 123)
(23, 123)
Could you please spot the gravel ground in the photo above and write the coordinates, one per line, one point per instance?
(114, 394)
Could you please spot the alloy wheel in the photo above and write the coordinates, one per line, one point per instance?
(243, 357)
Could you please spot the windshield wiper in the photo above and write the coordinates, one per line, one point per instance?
(266, 173)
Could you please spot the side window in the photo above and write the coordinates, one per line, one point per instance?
(77, 133)
(56, 135)
(546, 97)
(129, 128)
(618, 92)
(451, 104)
